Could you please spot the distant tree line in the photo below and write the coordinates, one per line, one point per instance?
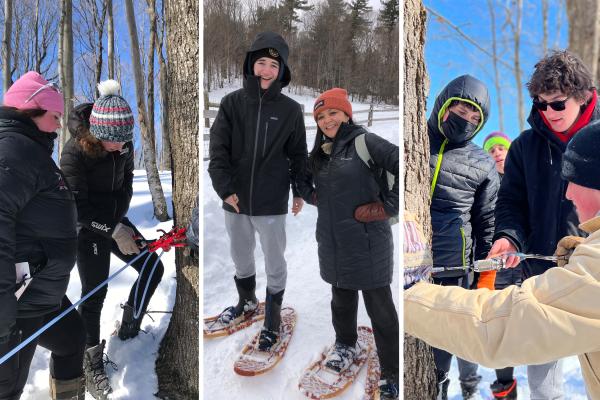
(333, 43)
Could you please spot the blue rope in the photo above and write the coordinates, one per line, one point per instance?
(138, 311)
(68, 310)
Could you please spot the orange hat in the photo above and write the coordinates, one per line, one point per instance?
(333, 98)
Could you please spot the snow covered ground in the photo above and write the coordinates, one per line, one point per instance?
(135, 378)
(305, 291)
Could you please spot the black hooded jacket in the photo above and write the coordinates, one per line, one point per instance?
(352, 254)
(465, 184)
(258, 141)
(532, 210)
(37, 220)
(103, 185)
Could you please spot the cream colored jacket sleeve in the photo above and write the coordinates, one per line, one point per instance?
(550, 316)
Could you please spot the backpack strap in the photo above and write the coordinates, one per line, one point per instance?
(362, 150)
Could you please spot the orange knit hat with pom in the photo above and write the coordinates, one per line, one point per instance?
(333, 98)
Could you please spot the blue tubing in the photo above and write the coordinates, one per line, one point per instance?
(138, 311)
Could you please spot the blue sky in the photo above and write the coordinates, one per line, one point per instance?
(447, 55)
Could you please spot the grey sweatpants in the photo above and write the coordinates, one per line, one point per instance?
(271, 233)
(546, 381)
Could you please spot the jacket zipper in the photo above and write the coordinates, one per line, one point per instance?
(437, 168)
(254, 155)
(112, 186)
(331, 219)
(464, 246)
(265, 143)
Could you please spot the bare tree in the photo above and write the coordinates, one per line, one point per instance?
(151, 49)
(497, 84)
(164, 96)
(545, 26)
(419, 369)
(584, 31)
(110, 47)
(6, 45)
(177, 366)
(514, 17)
(66, 66)
(158, 197)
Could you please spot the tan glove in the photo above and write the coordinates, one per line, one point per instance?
(565, 248)
(123, 236)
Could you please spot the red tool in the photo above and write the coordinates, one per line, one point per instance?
(174, 238)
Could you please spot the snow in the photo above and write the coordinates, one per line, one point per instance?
(306, 292)
(135, 378)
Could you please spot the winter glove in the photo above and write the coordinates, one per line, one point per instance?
(123, 235)
(7, 343)
(370, 212)
(565, 248)
(486, 280)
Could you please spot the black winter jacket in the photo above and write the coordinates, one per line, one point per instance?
(532, 210)
(352, 254)
(102, 186)
(37, 220)
(465, 185)
(258, 145)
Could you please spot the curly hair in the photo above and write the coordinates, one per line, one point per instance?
(90, 145)
(561, 71)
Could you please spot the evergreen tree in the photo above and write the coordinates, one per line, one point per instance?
(289, 13)
(389, 14)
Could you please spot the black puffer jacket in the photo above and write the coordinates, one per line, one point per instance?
(465, 184)
(532, 210)
(37, 220)
(258, 143)
(102, 186)
(352, 254)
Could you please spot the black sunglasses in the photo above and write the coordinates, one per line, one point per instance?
(558, 105)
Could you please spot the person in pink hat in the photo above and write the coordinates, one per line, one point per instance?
(38, 243)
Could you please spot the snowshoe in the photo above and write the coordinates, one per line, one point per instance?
(506, 391)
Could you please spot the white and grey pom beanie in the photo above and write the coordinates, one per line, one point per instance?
(111, 119)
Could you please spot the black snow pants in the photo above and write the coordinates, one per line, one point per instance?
(65, 339)
(384, 319)
(93, 262)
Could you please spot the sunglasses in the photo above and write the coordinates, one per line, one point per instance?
(557, 105)
(49, 85)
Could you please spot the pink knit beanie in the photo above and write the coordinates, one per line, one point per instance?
(33, 92)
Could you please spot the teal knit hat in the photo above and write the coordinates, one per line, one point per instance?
(111, 119)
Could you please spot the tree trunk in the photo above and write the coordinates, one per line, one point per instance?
(66, 30)
(545, 26)
(151, 50)
(111, 40)
(158, 197)
(177, 363)
(6, 45)
(419, 370)
(164, 98)
(584, 31)
(495, 63)
(517, 62)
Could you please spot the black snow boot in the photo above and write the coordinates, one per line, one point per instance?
(469, 387)
(247, 303)
(442, 384)
(130, 326)
(388, 386)
(504, 391)
(69, 389)
(270, 332)
(96, 380)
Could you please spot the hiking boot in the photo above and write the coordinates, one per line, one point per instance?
(340, 357)
(504, 391)
(469, 388)
(388, 387)
(270, 331)
(69, 389)
(130, 326)
(267, 339)
(96, 380)
(442, 385)
(247, 303)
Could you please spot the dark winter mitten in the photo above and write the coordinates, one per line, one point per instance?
(370, 212)
(565, 248)
(7, 343)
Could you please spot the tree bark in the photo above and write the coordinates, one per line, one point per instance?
(158, 197)
(419, 370)
(6, 45)
(495, 63)
(584, 31)
(151, 50)
(110, 46)
(164, 98)
(66, 30)
(177, 363)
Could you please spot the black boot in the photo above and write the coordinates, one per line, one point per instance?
(442, 385)
(69, 389)
(504, 391)
(469, 387)
(270, 331)
(96, 380)
(247, 300)
(130, 326)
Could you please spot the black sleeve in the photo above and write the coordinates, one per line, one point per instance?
(124, 195)
(387, 156)
(512, 212)
(219, 166)
(17, 187)
(100, 220)
(482, 213)
(297, 153)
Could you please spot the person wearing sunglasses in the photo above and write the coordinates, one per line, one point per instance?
(532, 213)
(38, 243)
(98, 165)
